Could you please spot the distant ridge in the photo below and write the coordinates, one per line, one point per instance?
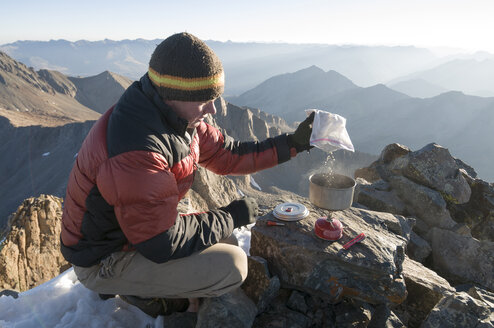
(471, 76)
(418, 88)
(85, 58)
(29, 98)
(50, 98)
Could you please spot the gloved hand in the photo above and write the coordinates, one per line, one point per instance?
(243, 211)
(301, 137)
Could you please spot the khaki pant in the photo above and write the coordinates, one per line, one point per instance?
(208, 273)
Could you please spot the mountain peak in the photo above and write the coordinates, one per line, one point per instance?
(286, 94)
(312, 68)
(100, 92)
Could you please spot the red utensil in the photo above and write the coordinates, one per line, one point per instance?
(273, 223)
(355, 240)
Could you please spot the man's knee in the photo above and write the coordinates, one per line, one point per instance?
(241, 263)
(235, 259)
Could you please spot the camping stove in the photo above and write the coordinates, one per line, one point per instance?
(333, 192)
(329, 228)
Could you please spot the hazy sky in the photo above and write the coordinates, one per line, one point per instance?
(466, 24)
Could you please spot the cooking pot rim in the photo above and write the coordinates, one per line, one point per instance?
(333, 174)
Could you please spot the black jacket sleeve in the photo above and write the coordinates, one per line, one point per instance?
(190, 233)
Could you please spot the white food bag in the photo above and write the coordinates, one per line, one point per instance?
(329, 131)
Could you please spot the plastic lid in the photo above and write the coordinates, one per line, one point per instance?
(290, 211)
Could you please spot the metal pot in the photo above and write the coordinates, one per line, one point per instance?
(331, 191)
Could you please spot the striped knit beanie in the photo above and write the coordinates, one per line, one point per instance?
(183, 67)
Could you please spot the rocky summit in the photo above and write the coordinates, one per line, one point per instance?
(426, 260)
(30, 254)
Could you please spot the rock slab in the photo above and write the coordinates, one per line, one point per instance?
(460, 310)
(462, 258)
(370, 271)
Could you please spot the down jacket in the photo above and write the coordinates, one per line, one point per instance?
(135, 165)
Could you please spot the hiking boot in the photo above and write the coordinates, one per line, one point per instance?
(157, 306)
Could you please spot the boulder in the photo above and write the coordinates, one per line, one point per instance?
(463, 259)
(398, 224)
(468, 170)
(460, 310)
(31, 251)
(418, 249)
(434, 167)
(478, 213)
(425, 288)
(392, 152)
(369, 271)
(484, 230)
(260, 286)
(383, 317)
(377, 198)
(352, 313)
(280, 315)
(369, 173)
(297, 302)
(283, 318)
(423, 202)
(482, 295)
(421, 228)
(462, 229)
(233, 309)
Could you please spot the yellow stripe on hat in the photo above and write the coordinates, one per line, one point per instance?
(180, 83)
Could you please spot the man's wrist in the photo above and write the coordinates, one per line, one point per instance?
(293, 144)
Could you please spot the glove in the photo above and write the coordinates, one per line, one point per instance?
(301, 137)
(243, 211)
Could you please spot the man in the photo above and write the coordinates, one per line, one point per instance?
(120, 225)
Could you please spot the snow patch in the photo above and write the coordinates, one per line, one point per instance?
(254, 183)
(243, 236)
(65, 302)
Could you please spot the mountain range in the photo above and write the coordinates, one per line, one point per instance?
(417, 72)
(246, 64)
(42, 141)
(377, 115)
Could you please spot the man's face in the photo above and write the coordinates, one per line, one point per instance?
(192, 111)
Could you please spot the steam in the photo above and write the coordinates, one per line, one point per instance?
(331, 165)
